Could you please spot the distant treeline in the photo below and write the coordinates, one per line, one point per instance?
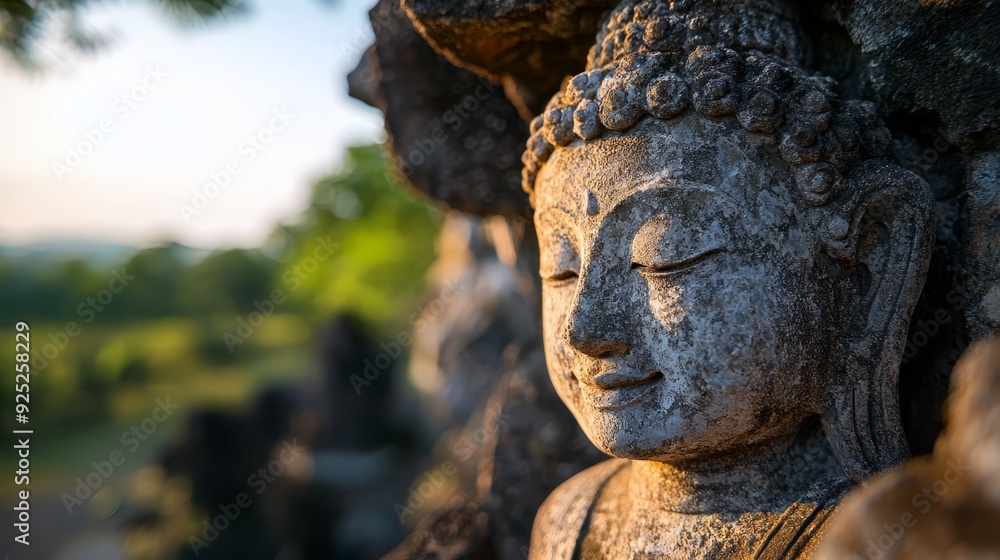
(362, 246)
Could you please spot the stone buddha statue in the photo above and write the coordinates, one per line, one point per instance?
(729, 265)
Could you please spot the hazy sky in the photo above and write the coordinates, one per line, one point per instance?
(193, 99)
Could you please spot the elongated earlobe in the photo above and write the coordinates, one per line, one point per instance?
(884, 248)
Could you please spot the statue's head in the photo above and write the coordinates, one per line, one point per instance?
(725, 253)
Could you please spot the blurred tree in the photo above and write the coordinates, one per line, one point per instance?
(225, 281)
(380, 241)
(152, 276)
(23, 22)
(44, 290)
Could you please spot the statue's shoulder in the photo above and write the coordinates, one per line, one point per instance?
(799, 530)
(563, 515)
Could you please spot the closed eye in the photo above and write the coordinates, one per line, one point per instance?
(561, 276)
(670, 268)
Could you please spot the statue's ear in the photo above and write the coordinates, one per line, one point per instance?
(882, 235)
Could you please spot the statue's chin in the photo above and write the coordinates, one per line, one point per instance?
(637, 440)
(677, 451)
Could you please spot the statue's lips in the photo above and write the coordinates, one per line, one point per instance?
(614, 391)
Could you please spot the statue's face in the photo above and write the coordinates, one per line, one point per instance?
(680, 309)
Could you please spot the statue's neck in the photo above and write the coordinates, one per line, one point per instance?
(767, 477)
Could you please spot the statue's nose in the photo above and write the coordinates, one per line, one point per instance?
(591, 327)
(597, 344)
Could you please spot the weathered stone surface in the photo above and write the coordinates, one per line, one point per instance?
(943, 506)
(980, 248)
(941, 58)
(455, 135)
(528, 45)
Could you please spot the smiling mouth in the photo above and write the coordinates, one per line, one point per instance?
(613, 392)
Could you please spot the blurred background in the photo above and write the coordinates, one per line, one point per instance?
(220, 273)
